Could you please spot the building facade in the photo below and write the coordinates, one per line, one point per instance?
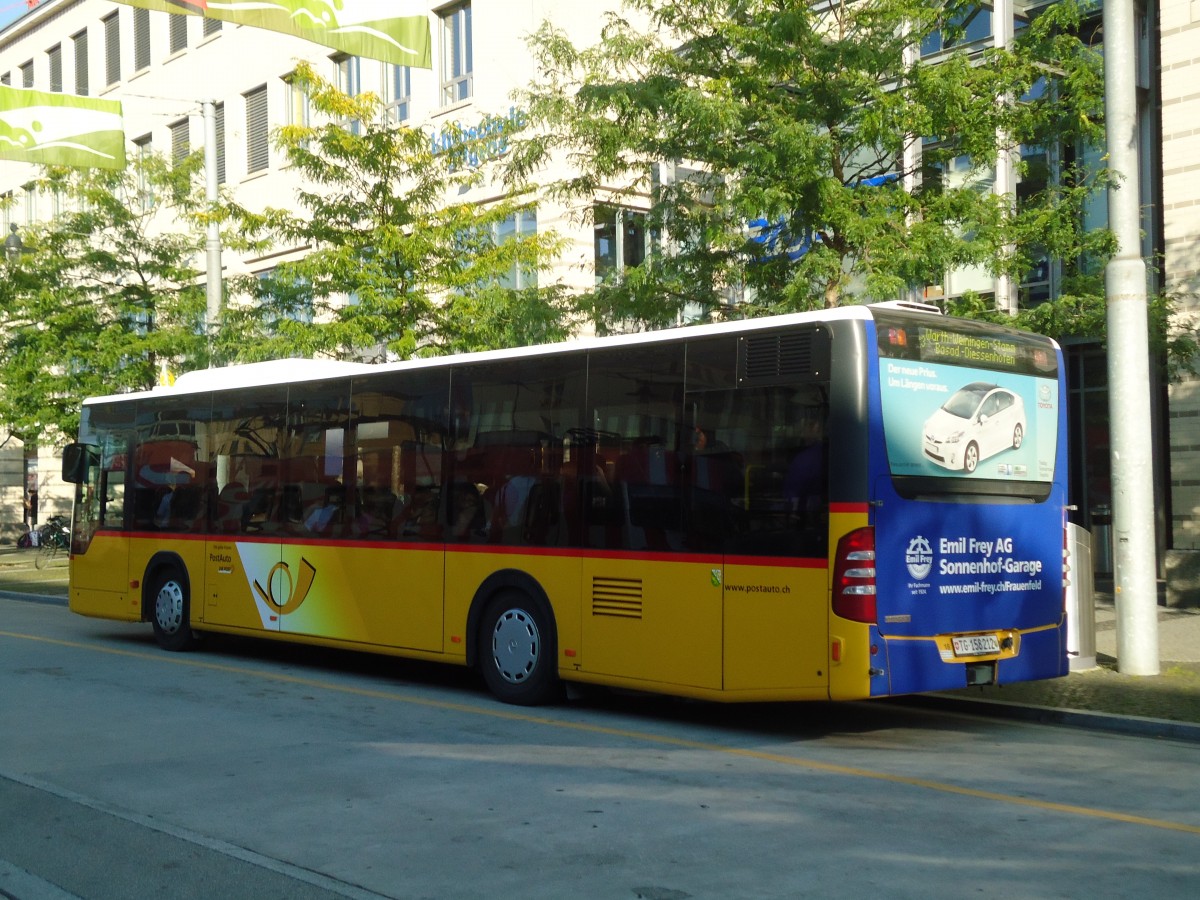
(162, 67)
(1178, 221)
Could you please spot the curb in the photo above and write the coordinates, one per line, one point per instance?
(1138, 726)
(48, 599)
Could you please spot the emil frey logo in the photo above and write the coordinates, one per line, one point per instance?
(919, 558)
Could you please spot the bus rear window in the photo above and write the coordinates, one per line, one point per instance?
(968, 409)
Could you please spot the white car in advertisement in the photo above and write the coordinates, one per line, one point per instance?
(979, 420)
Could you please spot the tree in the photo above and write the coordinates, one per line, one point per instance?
(106, 293)
(398, 264)
(806, 120)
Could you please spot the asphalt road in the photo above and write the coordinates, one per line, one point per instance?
(258, 770)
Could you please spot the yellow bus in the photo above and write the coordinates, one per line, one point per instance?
(796, 508)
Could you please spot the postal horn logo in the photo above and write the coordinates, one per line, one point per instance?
(292, 591)
(919, 558)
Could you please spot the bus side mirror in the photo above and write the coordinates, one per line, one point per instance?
(74, 463)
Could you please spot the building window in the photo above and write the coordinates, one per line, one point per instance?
(397, 93)
(520, 225)
(952, 174)
(27, 74)
(348, 79)
(112, 48)
(219, 115)
(180, 140)
(142, 148)
(347, 71)
(621, 240)
(457, 66)
(31, 204)
(141, 39)
(54, 58)
(1036, 283)
(178, 32)
(6, 78)
(288, 295)
(211, 26)
(969, 26)
(257, 149)
(80, 41)
(299, 110)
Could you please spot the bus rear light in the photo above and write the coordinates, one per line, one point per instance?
(854, 576)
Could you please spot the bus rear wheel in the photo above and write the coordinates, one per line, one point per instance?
(170, 612)
(517, 651)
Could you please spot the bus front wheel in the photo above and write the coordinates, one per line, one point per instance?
(517, 651)
(170, 612)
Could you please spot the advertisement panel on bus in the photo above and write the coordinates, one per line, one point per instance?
(970, 502)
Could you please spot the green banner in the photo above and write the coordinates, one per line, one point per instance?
(61, 129)
(395, 31)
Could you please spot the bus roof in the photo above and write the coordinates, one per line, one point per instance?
(291, 371)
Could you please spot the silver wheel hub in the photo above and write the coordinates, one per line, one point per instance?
(168, 607)
(516, 645)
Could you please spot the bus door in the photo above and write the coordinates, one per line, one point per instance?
(97, 541)
(246, 584)
(362, 558)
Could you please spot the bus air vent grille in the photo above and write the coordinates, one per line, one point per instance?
(799, 355)
(618, 597)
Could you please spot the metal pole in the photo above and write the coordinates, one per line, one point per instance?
(215, 280)
(1006, 180)
(1135, 582)
(912, 154)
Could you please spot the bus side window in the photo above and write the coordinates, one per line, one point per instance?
(111, 498)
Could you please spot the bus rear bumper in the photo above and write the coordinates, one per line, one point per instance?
(105, 605)
(919, 666)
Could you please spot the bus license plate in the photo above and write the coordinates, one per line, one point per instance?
(976, 645)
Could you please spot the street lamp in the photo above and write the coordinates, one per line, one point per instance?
(13, 245)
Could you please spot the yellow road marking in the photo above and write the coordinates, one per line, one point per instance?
(644, 736)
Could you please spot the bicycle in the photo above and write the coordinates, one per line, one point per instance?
(53, 537)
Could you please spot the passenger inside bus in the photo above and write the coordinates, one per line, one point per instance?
(468, 514)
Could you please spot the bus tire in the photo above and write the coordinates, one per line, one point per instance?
(971, 457)
(517, 650)
(170, 611)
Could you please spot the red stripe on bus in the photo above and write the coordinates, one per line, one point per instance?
(779, 562)
(710, 559)
(157, 535)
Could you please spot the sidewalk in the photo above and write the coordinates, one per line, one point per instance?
(1171, 696)
(1144, 704)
